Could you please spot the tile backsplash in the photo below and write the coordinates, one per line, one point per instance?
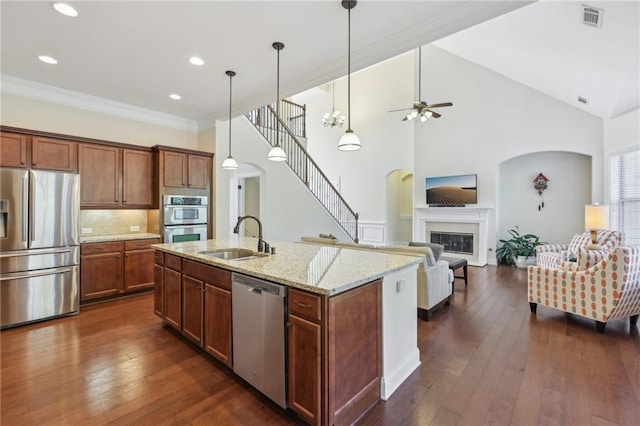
(108, 222)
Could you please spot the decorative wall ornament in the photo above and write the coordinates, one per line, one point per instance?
(540, 183)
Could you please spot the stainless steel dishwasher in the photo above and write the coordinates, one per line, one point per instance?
(259, 335)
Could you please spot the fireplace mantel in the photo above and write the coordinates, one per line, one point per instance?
(477, 215)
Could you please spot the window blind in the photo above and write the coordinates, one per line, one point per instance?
(624, 193)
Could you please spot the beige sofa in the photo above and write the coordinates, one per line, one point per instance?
(434, 276)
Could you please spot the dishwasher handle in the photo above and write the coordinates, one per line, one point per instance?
(259, 286)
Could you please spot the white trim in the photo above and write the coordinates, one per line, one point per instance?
(42, 92)
(371, 232)
(392, 381)
(479, 215)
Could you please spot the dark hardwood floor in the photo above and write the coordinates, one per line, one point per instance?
(485, 360)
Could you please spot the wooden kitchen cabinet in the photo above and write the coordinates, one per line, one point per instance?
(343, 334)
(100, 270)
(54, 154)
(100, 175)
(212, 307)
(182, 170)
(172, 292)
(158, 283)
(217, 323)
(13, 150)
(304, 326)
(138, 264)
(137, 179)
(158, 289)
(192, 309)
(116, 268)
(112, 177)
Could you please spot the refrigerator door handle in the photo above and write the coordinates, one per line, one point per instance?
(25, 208)
(38, 273)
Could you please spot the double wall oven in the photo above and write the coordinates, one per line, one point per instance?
(185, 218)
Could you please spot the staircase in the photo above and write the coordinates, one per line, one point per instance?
(292, 127)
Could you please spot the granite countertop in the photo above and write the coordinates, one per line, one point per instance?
(116, 237)
(320, 269)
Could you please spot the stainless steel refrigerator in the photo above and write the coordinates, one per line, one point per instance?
(39, 251)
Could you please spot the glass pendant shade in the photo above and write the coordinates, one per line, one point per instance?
(349, 142)
(277, 154)
(229, 164)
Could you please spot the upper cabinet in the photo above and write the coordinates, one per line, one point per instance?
(115, 177)
(182, 170)
(137, 174)
(54, 154)
(13, 150)
(100, 176)
(36, 152)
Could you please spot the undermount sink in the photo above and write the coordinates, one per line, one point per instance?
(231, 254)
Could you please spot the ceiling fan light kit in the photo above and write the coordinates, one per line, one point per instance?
(349, 141)
(420, 109)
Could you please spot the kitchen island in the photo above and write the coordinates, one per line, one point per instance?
(351, 322)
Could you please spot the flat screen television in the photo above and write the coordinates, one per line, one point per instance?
(452, 190)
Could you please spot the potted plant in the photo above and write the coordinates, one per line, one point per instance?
(519, 250)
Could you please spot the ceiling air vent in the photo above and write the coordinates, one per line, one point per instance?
(583, 100)
(592, 16)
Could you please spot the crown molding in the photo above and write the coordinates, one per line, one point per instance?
(42, 92)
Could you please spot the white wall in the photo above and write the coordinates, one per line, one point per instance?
(33, 114)
(288, 210)
(569, 189)
(386, 140)
(492, 120)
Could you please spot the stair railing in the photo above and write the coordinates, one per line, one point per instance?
(299, 160)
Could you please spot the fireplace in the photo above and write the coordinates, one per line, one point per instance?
(462, 230)
(454, 242)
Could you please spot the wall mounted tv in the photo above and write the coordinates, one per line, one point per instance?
(452, 191)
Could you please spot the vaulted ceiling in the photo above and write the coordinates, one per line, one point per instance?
(136, 52)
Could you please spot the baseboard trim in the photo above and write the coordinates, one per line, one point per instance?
(391, 382)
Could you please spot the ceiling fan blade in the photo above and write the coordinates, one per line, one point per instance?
(404, 119)
(435, 114)
(444, 104)
(403, 109)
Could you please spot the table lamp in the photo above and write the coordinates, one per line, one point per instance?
(596, 217)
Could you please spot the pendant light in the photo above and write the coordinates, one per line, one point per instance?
(230, 163)
(277, 153)
(349, 141)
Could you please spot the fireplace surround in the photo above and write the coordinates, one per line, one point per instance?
(458, 220)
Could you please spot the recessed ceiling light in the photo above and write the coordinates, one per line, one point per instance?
(48, 59)
(196, 60)
(65, 9)
(175, 96)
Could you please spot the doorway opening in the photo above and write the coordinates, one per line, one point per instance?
(399, 207)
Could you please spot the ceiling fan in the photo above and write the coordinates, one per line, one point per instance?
(420, 109)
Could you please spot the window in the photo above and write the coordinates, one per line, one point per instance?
(625, 194)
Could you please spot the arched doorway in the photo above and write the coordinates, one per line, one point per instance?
(399, 207)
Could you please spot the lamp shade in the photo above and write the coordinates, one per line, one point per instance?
(596, 216)
(277, 154)
(349, 142)
(229, 164)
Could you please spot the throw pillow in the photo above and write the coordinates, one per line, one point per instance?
(578, 242)
(436, 249)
